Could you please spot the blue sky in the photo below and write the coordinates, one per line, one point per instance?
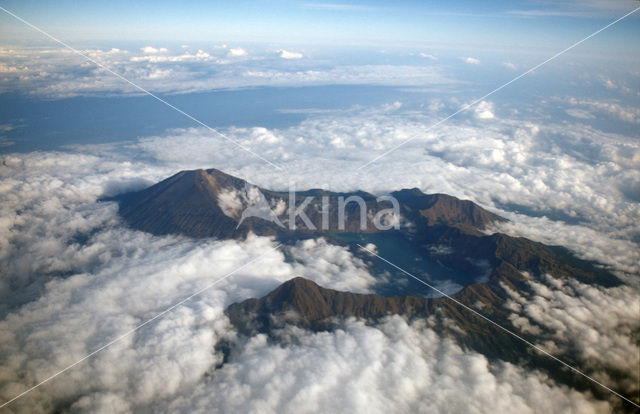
(453, 50)
(489, 24)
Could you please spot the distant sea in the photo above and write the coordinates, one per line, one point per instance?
(41, 125)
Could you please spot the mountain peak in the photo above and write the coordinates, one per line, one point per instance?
(211, 203)
(438, 209)
(309, 305)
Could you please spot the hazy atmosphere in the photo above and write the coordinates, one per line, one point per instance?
(358, 207)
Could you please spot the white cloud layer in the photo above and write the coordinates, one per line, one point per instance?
(394, 368)
(153, 50)
(86, 280)
(428, 56)
(285, 54)
(237, 52)
(574, 185)
(95, 280)
(618, 111)
(60, 73)
(484, 110)
(73, 277)
(594, 324)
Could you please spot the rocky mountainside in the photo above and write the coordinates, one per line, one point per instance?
(210, 203)
(436, 228)
(306, 304)
(302, 303)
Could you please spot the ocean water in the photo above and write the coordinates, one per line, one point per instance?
(41, 125)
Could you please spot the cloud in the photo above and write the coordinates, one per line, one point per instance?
(200, 55)
(74, 277)
(472, 61)
(230, 202)
(99, 279)
(510, 65)
(396, 105)
(548, 13)
(285, 54)
(428, 56)
(484, 110)
(51, 224)
(591, 323)
(579, 113)
(561, 183)
(153, 50)
(58, 73)
(619, 85)
(86, 310)
(392, 75)
(4, 128)
(331, 266)
(626, 114)
(393, 367)
(237, 52)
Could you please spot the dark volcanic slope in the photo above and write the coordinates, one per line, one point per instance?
(185, 203)
(437, 209)
(312, 304)
(303, 303)
(210, 203)
(306, 304)
(189, 203)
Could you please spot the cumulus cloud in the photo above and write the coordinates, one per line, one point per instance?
(484, 110)
(74, 278)
(4, 128)
(591, 323)
(100, 280)
(472, 61)
(59, 73)
(619, 85)
(152, 50)
(237, 52)
(285, 54)
(200, 55)
(394, 367)
(51, 224)
(579, 178)
(397, 75)
(77, 314)
(626, 114)
(509, 65)
(331, 266)
(428, 56)
(230, 202)
(579, 113)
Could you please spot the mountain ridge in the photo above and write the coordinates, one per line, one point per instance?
(191, 203)
(440, 228)
(208, 203)
(303, 303)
